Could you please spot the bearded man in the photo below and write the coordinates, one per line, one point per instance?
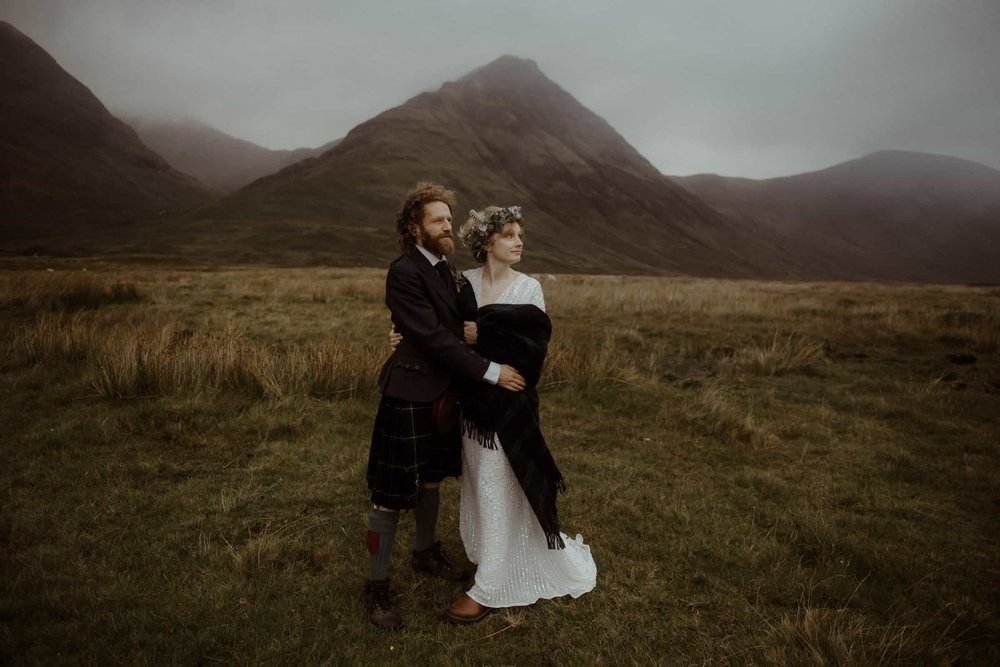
(412, 449)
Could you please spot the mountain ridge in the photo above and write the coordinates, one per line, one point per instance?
(217, 159)
(891, 214)
(65, 159)
(505, 133)
(81, 180)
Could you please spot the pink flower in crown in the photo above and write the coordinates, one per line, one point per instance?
(481, 228)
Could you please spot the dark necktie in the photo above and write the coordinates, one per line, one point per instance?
(443, 271)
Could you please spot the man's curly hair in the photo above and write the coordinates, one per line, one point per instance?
(412, 211)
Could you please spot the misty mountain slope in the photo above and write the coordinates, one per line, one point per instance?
(64, 159)
(506, 134)
(889, 215)
(218, 160)
(80, 179)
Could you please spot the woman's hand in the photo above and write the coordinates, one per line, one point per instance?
(471, 332)
(395, 338)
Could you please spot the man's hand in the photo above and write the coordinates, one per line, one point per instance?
(395, 338)
(510, 379)
(471, 332)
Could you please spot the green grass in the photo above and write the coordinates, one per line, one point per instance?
(767, 473)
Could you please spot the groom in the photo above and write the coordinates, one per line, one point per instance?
(409, 456)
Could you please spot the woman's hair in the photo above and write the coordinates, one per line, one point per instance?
(478, 231)
(412, 211)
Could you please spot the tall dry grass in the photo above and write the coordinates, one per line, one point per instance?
(588, 364)
(62, 291)
(876, 314)
(53, 338)
(145, 359)
(130, 364)
(138, 353)
(715, 411)
(843, 636)
(785, 354)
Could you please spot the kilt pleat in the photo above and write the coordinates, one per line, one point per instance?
(406, 452)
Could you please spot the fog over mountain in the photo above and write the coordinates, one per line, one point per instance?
(889, 215)
(505, 134)
(737, 88)
(76, 180)
(65, 161)
(220, 161)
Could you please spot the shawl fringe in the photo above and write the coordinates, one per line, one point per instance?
(484, 436)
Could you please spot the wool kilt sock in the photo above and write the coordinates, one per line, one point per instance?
(425, 514)
(381, 536)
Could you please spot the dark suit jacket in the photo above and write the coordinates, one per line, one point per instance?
(433, 352)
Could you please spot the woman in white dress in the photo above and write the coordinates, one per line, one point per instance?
(518, 562)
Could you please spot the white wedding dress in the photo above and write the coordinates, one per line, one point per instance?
(499, 529)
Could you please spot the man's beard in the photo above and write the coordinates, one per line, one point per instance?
(440, 245)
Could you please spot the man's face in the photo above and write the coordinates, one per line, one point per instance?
(434, 233)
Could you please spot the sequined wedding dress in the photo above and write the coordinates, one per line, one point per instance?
(499, 529)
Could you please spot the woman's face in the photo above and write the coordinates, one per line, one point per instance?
(506, 245)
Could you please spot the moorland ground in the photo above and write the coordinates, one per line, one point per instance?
(766, 472)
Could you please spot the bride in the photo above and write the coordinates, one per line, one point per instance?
(508, 518)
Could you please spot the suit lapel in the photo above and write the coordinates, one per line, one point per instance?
(445, 292)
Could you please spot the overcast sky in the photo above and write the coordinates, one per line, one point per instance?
(741, 88)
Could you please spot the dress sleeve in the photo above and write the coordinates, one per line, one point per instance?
(537, 298)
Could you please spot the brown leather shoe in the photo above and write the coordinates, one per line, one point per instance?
(378, 600)
(435, 561)
(467, 610)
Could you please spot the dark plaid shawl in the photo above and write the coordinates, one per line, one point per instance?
(517, 335)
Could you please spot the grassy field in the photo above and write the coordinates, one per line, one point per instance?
(767, 473)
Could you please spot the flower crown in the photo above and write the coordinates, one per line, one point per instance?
(482, 225)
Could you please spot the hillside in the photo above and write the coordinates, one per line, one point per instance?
(503, 134)
(889, 215)
(65, 161)
(76, 180)
(218, 160)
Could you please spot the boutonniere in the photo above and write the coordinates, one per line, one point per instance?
(460, 279)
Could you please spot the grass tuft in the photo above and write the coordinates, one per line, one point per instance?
(716, 412)
(821, 636)
(785, 354)
(64, 292)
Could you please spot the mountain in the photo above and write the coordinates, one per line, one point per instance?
(891, 215)
(65, 160)
(218, 160)
(503, 134)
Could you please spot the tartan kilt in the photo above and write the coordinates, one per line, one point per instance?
(407, 452)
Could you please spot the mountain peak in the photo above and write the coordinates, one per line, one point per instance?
(507, 133)
(510, 63)
(505, 71)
